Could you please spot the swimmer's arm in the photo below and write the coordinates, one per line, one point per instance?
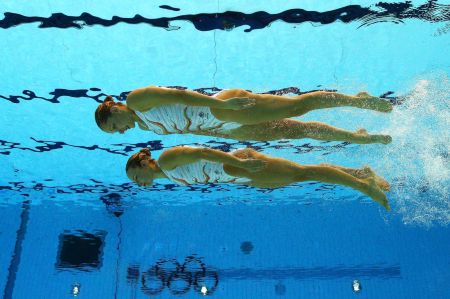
(179, 156)
(144, 99)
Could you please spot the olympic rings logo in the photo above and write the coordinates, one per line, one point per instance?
(179, 278)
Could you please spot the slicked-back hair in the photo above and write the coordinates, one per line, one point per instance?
(135, 160)
(103, 112)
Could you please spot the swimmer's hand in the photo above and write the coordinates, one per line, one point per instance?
(253, 165)
(239, 103)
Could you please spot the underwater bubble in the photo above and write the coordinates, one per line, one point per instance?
(76, 289)
(418, 159)
(356, 286)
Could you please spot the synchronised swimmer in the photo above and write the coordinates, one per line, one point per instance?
(189, 165)
(235, 114)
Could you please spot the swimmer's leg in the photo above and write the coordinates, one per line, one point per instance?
(320, 131)
(364, 173)
(292, 129)
(323, 99)
(333, 175)
(270, 107)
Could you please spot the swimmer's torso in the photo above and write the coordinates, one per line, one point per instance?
(202, 172)
(181, 119)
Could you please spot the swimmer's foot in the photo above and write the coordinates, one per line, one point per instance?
(367, 172)
(384, 139)
(364, 173)
(375, 192)
(374, 103)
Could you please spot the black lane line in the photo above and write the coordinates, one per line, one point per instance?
(15, 260)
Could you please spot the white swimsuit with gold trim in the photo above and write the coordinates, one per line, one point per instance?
(202, 172)
(179, 119)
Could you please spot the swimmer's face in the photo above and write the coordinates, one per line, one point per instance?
(120, 119)
(143, 175)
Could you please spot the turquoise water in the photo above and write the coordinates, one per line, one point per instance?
(62, 176)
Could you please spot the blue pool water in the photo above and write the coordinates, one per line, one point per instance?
(71, 223)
